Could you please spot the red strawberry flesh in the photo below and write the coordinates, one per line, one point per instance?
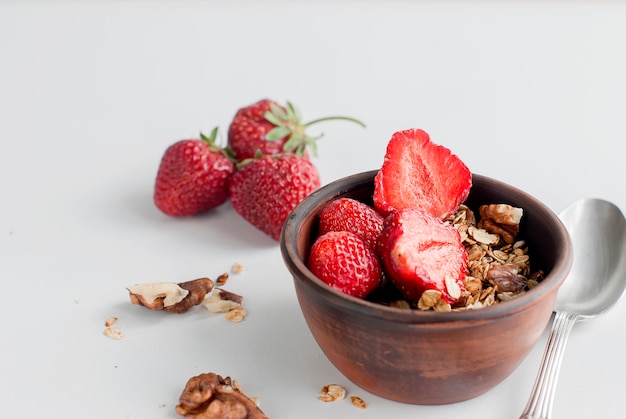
(417, 173)
(192, 178)
(345, 262)
(247, 131)
(347, 214)
(421, 252)
(267, 189)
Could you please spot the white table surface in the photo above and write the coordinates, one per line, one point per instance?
(91, 94)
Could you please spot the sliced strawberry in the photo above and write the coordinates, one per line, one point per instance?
(421, 252)
(345, 262)
(417, 173)
(347, 214)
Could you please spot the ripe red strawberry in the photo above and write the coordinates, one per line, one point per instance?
(420, 252)
(347, 214)
(266, 189)
(268, 128)
(345, 262)
(417, 173)
(193, 177)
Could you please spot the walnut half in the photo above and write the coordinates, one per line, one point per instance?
(209, 396)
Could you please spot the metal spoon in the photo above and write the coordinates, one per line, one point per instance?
(596, 282)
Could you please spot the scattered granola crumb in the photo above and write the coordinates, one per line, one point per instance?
(237, 268)
(110, 321)
(236, 315)
(332, 392)
(358, 402)
(113, 333)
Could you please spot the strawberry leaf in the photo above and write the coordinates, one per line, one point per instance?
(294, 113)
(291, 143)
(279, 112)
(211, 139)
(273, 118)
(277, 133)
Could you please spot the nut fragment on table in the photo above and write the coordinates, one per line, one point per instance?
(210, 396)
(332, 393)
(113, 333)
(237, 268)
(222, 279)
(222, 301)
(110, 321)
(236, 315)
(169, 296)
(358, 402)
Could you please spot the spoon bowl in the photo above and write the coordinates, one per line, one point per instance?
(595, 283)
(598, 276)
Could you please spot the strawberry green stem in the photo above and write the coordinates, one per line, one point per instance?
(329, 118)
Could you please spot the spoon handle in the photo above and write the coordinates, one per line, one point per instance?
(539, 404)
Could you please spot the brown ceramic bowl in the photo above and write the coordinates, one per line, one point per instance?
(427, 357)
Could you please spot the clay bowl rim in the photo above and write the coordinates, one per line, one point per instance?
(342, 186)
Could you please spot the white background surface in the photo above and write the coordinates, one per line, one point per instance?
(91, 94)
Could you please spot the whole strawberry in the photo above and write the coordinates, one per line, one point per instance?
(347, 214)
(266, 189)
(267, 128)
(345, 262)
(193, 177)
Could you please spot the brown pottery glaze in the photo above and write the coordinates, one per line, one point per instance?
(427, 357)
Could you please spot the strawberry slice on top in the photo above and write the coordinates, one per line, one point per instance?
(417, 173)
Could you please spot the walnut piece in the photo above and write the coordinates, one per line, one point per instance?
(222, 279)
(156, 295)
(332, 393)
(358, 402)
(113, 333)
(505, 278)
(209, 396)
(222, 301)
(502, 219)
(236, 315)
(110, 321)
(198, 289)
(169, 296)
(237, 268)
